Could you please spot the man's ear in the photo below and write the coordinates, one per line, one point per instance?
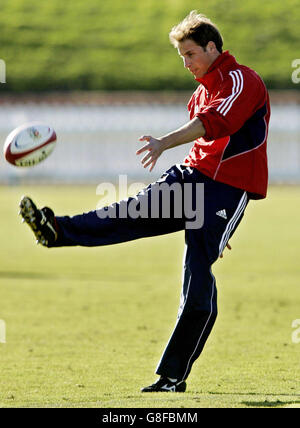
(211, 47)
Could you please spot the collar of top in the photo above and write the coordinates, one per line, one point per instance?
(214, 73)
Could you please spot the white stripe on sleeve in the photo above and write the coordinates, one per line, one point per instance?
(237, 88)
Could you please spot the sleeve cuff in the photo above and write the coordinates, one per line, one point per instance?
(208, 130)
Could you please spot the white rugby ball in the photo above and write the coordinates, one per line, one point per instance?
(29, 144)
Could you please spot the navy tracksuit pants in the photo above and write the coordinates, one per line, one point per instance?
(222, 208)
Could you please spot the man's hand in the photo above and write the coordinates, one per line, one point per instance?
(154, 148)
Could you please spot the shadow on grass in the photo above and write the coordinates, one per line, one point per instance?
(26, 275)
(265, 402)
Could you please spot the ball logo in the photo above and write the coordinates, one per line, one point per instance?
(34, 133)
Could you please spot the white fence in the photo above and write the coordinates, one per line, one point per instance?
(98, 142)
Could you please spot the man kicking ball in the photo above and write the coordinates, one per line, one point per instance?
(229, 117)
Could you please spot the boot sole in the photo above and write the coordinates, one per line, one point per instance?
(28, 214)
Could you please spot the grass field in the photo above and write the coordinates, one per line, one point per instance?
(86, 327)
(124, 45)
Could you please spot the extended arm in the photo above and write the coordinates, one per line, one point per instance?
(155, 146)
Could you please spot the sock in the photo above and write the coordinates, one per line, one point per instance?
(172, 379)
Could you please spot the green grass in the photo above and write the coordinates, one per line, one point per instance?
(124, 45)
(87, 326)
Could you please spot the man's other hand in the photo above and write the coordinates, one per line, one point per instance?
(154, 149)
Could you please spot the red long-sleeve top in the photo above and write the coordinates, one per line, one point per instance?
(233, 104)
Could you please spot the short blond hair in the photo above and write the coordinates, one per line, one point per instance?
(198, 28)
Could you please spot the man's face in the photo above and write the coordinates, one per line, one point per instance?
(195, 58)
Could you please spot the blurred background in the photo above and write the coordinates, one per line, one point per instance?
(78, 320)
(103, 73)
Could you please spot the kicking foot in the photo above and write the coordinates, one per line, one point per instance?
(41, 221)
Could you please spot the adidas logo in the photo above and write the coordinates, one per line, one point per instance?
(169, 388)
(222, 213)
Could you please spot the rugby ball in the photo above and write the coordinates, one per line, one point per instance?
(29, 144)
